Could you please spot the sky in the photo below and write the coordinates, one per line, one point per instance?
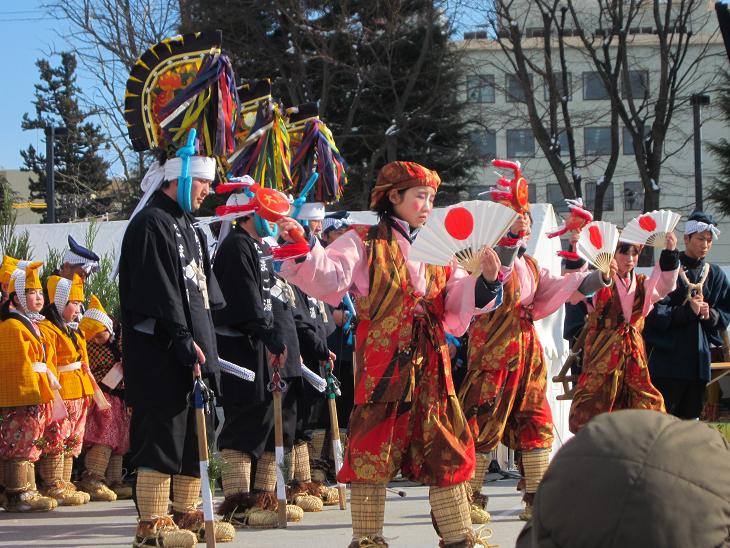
(27, 33)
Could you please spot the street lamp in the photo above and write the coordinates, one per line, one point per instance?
(51, 132)
(697, 100)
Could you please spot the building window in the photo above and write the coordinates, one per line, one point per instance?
(480, 88)
(633, 196)
(520, 143)
(531, 194)
(628, 140)
(513, 89)
(638, 84)
(591, 197)
(562, 92)
(556, 197)
(484, 143)
(593, 87)
(597, 141)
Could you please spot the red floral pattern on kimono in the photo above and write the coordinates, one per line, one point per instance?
(615, 373)
(504, 393)
(67, 435)
(406, 415)
(21, 431)
(109, 426)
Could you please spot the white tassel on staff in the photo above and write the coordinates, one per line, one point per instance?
(236, 370)
(319, 384)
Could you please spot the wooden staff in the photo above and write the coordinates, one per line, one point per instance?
(276, 387)
(332, 389)
(202, 399)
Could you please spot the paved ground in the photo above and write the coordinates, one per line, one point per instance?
(407, 524)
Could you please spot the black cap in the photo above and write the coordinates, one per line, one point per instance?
(702, 217)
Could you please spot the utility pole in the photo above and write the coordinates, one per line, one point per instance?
(51, 132)
(697, 100)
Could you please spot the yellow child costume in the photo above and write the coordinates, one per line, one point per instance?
(107, 430)
(64, 437)
(27, 394)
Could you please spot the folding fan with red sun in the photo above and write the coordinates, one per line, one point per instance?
(597, 244)
(462, 231)
(650, 228)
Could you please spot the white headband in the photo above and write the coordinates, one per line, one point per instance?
(19, 276)
(100, 317)
(201, 167)
(88, 265)
(692, 227)
(63, 291)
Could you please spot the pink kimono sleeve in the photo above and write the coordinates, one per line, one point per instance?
(657, 286)
(460, 305)
(554, 291)
(327, 274)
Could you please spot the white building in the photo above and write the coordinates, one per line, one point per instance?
(493, 95)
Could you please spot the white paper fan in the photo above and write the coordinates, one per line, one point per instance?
(597, 244)
(650, 228)
(463, 231)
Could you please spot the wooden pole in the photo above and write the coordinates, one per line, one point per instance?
(203, 457)
(335, 429)
(279, 449)
(337, 451)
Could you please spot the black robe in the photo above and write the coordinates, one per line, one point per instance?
(677, 341)
(253, 322)
(312, 327)
(340, 343)
(162, 308)
(164, 311)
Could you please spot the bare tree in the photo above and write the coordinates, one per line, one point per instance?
(649, 117)
(107, 37)
(540, 40)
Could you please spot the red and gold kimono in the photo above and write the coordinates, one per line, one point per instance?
(615, 373)
(504, 393)
(27, 388)
(406, 416)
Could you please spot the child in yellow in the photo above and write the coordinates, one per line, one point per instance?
(64, 437)
(107, 430)
(26, 393)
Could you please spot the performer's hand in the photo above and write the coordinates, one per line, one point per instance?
(288, 226)
(199, 352)
(612, 269)
(695, 303)
(339, 317)
(274, 358)
(490, 265)
(704, 311)
(671, 244)
(333, 356)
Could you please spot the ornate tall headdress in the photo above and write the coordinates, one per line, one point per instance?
(314, 151)
(181, 98)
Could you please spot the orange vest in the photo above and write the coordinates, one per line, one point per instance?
(74, 384)
(383, 340)
(611, 338)
(495, 338)
(19, 350)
